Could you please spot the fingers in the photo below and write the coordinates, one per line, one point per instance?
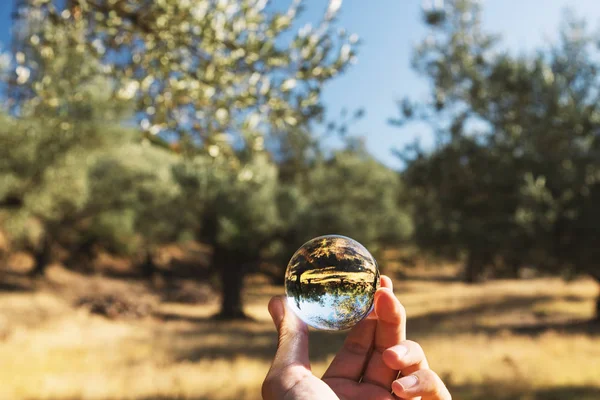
(406, 357)
(423, 383)
(390, 331)
(351, 360)
(291, 359)
(386, 282)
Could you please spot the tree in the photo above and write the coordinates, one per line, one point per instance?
(347, 193)
(136, 200)
(464, 199)
(44, 159)
(210, 73)
(514, 173)
(234, 204)
(352, 194)
(237, 95)
(61, 117)
(223, 79)
(72, 176)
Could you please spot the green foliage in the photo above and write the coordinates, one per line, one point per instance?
(210, 72)
(352, 194)
(72, 176)
(248, 201)
(44, 163)
(133, 124)
(348, 193)
(515, 174)
(109, 192)
(233, 202)
(62, 119)
(134, 184)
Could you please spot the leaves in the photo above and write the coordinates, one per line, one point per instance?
(185, 75)
(506, 182)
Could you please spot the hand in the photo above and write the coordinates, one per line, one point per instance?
(374, 354)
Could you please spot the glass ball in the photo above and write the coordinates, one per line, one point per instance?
(330, 282)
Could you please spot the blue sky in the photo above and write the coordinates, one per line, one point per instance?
(388, 30)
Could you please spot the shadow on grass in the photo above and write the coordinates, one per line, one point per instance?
(257, 340)
(203, 337)
(204, 341)
(215, 318)
(474, 392)
(415, 277)
(569, 328)
(203, 397)
(13, 282)
(464, 319)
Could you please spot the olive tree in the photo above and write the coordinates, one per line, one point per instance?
(514, 176)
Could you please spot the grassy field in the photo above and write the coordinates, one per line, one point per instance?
(499, 340)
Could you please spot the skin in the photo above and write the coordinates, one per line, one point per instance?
(376, 361)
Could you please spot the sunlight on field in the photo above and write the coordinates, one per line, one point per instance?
(499, 340)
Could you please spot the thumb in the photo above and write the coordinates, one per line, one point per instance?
(291, 359)
(292, 346)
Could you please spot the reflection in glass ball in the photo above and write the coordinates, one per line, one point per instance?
(330, 282)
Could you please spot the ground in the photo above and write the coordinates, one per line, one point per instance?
(526, 339)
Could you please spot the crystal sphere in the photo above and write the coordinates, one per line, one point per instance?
(330, 282)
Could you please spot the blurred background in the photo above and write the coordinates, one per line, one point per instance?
(161, 160)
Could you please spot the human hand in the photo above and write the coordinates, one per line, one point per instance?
(367, 366)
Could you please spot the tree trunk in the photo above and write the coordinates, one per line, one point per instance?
(231, 274)
(42, 257)
(473, 268)
(81, 256)
(511, 268)
(514, 271)
(148, 267)
(597, 317)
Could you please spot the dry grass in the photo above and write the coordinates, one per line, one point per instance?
(499, 340)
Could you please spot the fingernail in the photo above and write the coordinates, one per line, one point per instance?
(408, 381)
(400, 350)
